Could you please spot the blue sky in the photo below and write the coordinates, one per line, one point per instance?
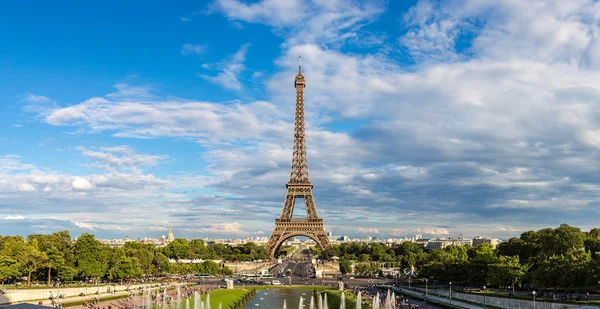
(436, 117)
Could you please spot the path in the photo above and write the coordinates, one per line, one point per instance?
(442, 300)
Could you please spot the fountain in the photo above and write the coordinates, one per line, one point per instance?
(149, 299)
(164, 299)
(196, 300)
(358, 301)
(375, 301)
(343, 300)
(325, 304)
(312, 302)
(320, 304)
(301, 304)
(173, 303)
(207, 301)
(220, 305)
(187, 303)
(284, 304)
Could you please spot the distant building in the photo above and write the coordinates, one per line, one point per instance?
(440, 243)
(170, 236)
(478, 240)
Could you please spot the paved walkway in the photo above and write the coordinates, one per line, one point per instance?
(116, 303)
(442, 300)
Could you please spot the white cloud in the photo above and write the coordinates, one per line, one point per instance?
(224, 228)
(398, 232)
(276, 12)
(97, 226)
(230, 70)
(323, 22)
(503, 229)
(81, 184)
(85, 225)
(15, 217)
(193, 49)
(432, 231)
(368, 230)
(171, 118)
(26, 187)
(33, 98)
(120, 157)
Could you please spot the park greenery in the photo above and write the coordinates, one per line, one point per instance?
(562, 257)
(50, 257)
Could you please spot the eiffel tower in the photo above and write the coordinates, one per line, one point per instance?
(299, 186)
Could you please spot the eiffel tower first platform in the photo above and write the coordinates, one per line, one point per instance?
(299, 186)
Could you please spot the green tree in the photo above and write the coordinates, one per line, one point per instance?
(178, 249)
(124, 268)
(32, 260)
(364, 257)
(507, 271)
(89, 257)
(9, 267)
(56, 261)
(345, 267)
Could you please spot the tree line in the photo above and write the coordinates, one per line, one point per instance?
(564, 257)
(49, 257)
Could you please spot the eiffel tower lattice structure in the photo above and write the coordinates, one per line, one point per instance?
(299, 186)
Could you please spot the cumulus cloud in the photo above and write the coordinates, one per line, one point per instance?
(503, 229)
(363, 230)
(14, 217)
(26, 187)
(432, 231)
(81, 184)
(224, 228)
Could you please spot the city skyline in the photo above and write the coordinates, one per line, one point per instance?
(462, 117)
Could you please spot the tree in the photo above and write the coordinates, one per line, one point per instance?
(9, 267)
(506, 271)
(56, 260)
(32, 260)
(89, 256)
(161, 263)
(179, 249)
(198, 248)
(210, 267)
(345, 267)
(125, 267)
(364, 257)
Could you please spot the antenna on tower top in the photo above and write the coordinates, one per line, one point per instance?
(299, 64)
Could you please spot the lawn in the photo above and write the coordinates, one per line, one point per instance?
(227, 298)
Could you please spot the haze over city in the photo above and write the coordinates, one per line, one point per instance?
(130, 118)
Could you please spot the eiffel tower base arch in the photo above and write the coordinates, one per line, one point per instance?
(286, 228)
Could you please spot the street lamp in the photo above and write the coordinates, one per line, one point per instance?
(484, 297)
(533, 293)
(450, 293)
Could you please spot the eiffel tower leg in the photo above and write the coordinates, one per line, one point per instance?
(288, 204)
(311, 208)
